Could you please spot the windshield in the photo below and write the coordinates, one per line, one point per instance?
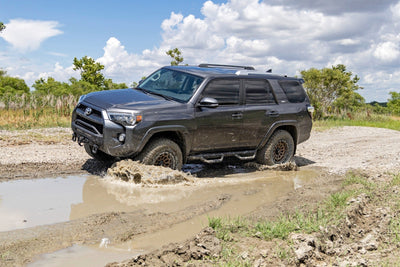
(173, 84)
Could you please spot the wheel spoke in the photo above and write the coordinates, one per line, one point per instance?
(280, 151)
(164, 159)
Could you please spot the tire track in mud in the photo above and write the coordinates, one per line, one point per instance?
(20, 246)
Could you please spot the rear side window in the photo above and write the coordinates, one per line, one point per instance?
(293, 90)
(258, 92)
(225, 91)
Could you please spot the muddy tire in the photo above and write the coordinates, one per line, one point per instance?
(278, 150)
(162, 152)
(99, 155)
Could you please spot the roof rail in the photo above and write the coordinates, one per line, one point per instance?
(206, 65)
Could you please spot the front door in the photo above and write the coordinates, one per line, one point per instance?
(219, 128)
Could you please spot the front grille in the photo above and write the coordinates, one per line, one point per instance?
(92, 122)
(95, 112)
(89, 125)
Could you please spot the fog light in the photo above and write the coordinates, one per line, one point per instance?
(121, 137)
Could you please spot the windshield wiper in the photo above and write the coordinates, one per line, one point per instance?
(163, 96)
(141, 89)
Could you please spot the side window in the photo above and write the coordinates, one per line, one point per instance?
(258, 92)
(225, 91)
(293, 90)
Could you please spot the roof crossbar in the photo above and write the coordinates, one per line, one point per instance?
(206, 65)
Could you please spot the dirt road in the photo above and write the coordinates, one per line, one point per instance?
(49, 152)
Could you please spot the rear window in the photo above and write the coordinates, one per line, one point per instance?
(293, 90)
(258, 92)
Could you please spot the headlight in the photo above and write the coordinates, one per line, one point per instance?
(126, 119)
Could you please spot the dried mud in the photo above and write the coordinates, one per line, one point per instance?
(332, 153)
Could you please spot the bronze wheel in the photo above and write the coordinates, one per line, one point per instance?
(278, 150)
(162, 152)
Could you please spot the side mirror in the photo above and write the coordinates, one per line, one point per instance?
(208, 102)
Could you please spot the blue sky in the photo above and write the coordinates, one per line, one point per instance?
(131, 37)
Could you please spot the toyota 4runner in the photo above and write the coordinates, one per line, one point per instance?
(205, 112)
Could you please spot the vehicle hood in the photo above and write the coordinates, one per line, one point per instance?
(125, 99)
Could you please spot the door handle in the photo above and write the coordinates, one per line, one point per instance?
(237, 115)
(272, 113)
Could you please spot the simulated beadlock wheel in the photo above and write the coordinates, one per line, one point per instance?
(97, 154)
(278, 150)
(162, 152)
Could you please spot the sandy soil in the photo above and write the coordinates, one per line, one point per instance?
(49, 152)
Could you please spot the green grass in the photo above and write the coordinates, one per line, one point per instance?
(29, 111)
(330, 212)
(299, 221)
(26, 119)
(359, 119)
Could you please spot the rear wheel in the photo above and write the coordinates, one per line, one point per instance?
(97, 154)
(278, 150)
(162, 152)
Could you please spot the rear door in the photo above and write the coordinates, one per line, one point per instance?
(260, 112)
(219, 128)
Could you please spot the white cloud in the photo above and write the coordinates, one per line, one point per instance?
(27, 35)
(59, 73)
(396, 11)
(285, 39)
(348, 41)
(387, 51)
(285, 35)
(125, 67)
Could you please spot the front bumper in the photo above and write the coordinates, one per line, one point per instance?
(97, 130)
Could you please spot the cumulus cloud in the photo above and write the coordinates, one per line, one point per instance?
(338, 6)
(59, 73)
(27, 35)
(285, 35)
(125, 67)
(387, 51)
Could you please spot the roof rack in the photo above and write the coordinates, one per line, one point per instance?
(206, 65)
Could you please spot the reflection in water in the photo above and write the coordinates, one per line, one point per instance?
(27, 203)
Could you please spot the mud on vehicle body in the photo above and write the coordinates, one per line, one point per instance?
(205, 112)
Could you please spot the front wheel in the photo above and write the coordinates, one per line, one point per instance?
(278, 150)
(97, 154)
(162, 152)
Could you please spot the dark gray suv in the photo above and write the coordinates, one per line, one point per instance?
(205, 112)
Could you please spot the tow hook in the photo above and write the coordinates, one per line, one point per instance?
(74, 137)
(94, 149)
(82, 140)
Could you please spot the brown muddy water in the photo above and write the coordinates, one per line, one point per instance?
(27, 203)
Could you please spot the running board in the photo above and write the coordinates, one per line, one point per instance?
(219, 157)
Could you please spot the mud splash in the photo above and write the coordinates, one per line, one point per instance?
(135, 172)
(290, 166)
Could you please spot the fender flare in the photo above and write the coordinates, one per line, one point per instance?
(182, 132)
(276, 125)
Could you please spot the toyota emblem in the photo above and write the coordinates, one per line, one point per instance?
(88, 111)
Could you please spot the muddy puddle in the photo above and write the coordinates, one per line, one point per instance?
(27, 203)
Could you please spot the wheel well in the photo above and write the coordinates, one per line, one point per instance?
(174, 136)
(293, 132)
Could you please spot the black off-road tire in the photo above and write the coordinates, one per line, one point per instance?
(99, 155)
(278, 150)
(162, 152)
